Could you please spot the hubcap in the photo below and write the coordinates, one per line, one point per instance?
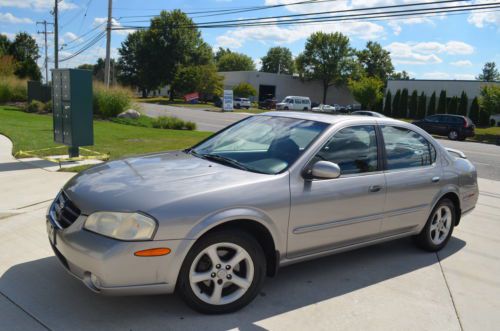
(221, 273)
(440, 224)
(453, 135)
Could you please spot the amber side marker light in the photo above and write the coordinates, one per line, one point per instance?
(153, 252)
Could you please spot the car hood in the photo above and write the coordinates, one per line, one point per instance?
(147, 182)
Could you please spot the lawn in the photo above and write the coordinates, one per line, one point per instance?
(33, 132)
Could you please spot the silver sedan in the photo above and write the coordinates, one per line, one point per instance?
(211, 222)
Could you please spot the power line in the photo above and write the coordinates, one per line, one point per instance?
(85, 47)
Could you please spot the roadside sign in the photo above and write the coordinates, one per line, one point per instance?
(227, 104)
(191, 96)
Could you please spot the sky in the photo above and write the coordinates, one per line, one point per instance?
(446, 46)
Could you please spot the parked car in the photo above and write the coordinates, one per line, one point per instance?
(324, 109)
(455, 127)
(212, 221)
(495, 120)
(294, 103)
(353, 107)
(267, 104)
(367, 113)
(239, 103)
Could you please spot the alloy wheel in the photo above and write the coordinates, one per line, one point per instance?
(221, 273)
(440, 225)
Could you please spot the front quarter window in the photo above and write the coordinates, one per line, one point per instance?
(263, 144)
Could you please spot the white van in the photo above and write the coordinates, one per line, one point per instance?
(294, 103)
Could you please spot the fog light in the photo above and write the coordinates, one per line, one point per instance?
(95, 281)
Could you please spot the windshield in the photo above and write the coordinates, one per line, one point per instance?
(264, 144)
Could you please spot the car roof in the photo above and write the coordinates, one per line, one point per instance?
(333, 119)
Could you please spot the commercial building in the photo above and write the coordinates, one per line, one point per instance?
(279, 86)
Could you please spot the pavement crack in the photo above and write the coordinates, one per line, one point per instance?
(449, 292)
(25, 311)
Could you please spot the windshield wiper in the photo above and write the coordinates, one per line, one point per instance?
(225, 160)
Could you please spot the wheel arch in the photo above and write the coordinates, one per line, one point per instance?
(453, 196)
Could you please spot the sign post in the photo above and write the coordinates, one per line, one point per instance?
(227, 103)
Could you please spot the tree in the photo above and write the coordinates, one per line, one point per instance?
(490, 73)
(376, 61)
(244, 90)
(4, 45)
(367, 91)
(202, 79)
(327, 57)
(462, 105)
(453, 105)
(403, 75)
(169, 47)
(388, 104)
(86, 66)
(98, 69)
(489, 99)
(220, 52)
(441, 109)
(278, 60)
(474, 111)
(403, 104)
(431, 107)
(422, 103)
(484, 118)
(395, 104)
(233, 61)
(7, 65)
(413, 104)
(24, 50)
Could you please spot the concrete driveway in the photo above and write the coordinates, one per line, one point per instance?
(392, 286)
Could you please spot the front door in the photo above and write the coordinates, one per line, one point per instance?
(331, 213)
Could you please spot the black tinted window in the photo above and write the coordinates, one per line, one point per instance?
(354, 149)
(406, 148)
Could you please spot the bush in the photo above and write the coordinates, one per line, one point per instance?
(173, 123)
(110, 102)
(48, 107)
(13, 89)
(244, 90)
(35, 106)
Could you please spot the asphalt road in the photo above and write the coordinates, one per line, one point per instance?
(485, 157)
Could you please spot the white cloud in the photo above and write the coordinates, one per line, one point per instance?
(114, 24)
(425, 52)
(445, 75)
(482, 18)
(11, 19)
(38, 4)
(9, 35)
(227, 41)
(461, 63)
(70, 36)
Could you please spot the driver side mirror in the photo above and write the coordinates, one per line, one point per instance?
(325, 170)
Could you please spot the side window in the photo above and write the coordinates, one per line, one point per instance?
(354, 149)
(406, 148)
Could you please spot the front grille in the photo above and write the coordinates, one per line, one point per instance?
(64, 211)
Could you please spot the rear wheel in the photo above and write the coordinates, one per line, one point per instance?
(453, 135)
(222, 273)
(439, 227)
(286, 108)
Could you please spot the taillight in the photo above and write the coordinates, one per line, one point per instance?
(466, 124)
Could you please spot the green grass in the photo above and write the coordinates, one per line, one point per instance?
(487, 135)
(33, 132)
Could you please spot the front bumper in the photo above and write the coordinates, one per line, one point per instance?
(109, 266)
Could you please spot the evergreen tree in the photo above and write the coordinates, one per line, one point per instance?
(395, 104)
(413, 105)
(388, 104)
(422, 103)
(442, 103)
(403, 104)
(431, 107)
(453, 105)
(484, 118)
(462, 106)
(474, 111)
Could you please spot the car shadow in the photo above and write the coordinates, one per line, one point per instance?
(45, 290)
(26, 165)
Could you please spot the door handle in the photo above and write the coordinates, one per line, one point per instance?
(435, 179)
(375, 188)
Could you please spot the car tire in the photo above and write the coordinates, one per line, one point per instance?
(439, 227)
(453, 135)
(250, 272)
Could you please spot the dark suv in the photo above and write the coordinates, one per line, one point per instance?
(455, 127)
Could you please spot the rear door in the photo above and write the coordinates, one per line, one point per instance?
(412, 176)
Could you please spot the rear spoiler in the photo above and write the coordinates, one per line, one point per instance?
(460, 154)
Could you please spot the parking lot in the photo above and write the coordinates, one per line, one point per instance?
(390, 286)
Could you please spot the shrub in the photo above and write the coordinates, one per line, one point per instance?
(35, 106)
(173, 123)
(244, 90)
(13, 89)
(453, 105)
(431, 108)
(48, 107)
(442, 102)
(413, 104)
(474, 111)
(422, 103)
(110, 102)
(464, 102)
(395, 104)
(403, 104)
(388, 104)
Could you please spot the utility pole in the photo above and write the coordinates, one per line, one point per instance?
(45, 33)
(108, 45)
(56, 35)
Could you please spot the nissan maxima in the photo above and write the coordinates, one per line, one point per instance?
(213, 221)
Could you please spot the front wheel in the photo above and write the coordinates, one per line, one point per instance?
(453, 135)
(222, 273)
(439, 227)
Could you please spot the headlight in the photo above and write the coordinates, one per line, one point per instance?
(123, 226)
